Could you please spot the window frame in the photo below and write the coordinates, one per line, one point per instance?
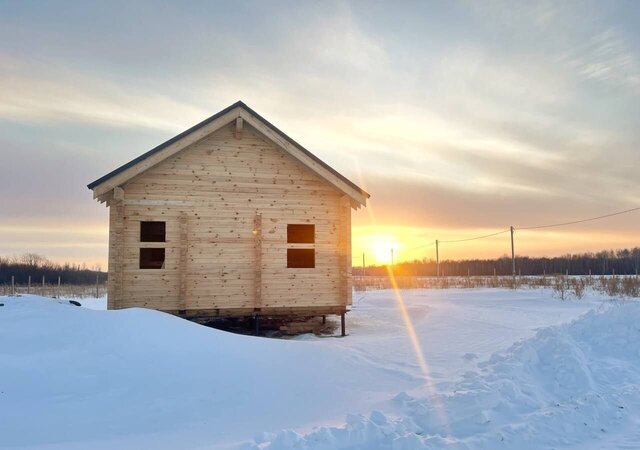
(147, 246)
(297, 243)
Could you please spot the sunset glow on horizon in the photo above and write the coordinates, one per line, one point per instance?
(411, 244)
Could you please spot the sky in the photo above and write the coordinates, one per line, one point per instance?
(460, 118)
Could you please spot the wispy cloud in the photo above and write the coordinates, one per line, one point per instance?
(607, 57)
(35, 92)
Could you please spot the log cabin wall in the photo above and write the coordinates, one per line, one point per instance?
(226, 201)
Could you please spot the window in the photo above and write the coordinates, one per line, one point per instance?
(300, 254)
(301, 234)
(152, 258)
(152, 231)
(300, 258)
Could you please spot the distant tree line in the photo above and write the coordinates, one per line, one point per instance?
(606, 262)
(31, 264)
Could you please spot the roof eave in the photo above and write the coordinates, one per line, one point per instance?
(357, 194)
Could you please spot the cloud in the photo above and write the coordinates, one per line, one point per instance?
(607, 57)
(426, 204)
(59, 241)
(32, 93)
(339, 41)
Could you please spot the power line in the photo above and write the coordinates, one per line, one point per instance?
(458, 240)
(422, 246)
(474, 238)
(452, 241)
(578, 221)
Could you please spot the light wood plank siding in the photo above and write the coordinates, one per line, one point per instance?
(210, 195)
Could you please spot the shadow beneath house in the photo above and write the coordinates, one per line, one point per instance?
(283, 327)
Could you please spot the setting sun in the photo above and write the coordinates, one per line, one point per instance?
(381, 248)
(377, 244)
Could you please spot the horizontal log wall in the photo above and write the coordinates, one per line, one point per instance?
(210, 195)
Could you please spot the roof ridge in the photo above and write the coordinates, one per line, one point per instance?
(210, 119)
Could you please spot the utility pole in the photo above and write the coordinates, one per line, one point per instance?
(363, 266)
(392, 257)
(513, 259)
(437, 260)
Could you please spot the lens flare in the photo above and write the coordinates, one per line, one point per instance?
(408, 324)
(419, 353)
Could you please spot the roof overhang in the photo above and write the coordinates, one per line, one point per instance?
(103, 187)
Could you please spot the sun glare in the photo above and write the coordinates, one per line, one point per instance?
(381, 248)
(377, 242)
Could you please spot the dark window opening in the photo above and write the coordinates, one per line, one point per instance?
(301, 258)
(152, 258)
(152, 231)
(301, 234)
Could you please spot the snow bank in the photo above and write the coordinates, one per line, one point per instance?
(74, 377)
(568, 385)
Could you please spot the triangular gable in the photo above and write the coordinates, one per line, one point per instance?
(240, 113)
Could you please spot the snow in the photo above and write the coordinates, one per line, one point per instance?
(569, 386)
(506, 369)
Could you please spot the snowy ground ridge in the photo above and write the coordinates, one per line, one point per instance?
(567, 385)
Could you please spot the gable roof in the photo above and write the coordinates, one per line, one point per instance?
(163, 151)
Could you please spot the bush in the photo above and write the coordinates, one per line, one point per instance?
(560, 287)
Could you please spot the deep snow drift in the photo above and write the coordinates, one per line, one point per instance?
(77, 378)
(570, 386)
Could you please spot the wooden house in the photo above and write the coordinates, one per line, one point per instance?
(230, 218)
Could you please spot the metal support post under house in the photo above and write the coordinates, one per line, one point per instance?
(256, 322)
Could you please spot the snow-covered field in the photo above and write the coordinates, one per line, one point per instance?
(472, 369)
